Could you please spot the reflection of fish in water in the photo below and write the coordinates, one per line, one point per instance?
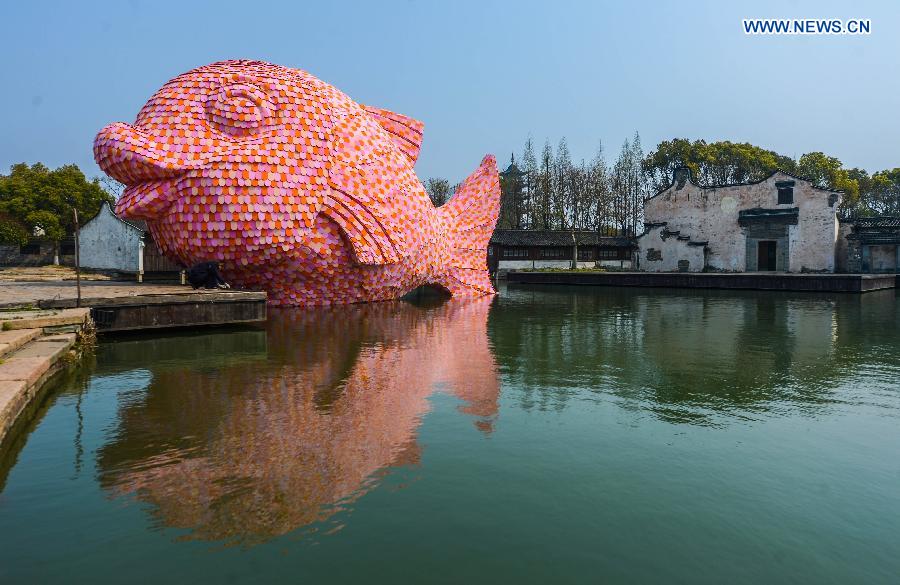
(245, 454)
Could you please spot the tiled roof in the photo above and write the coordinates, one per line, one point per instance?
(138, 223)
(557, 238)
(876, 222)
(778, 215)
(690, 179)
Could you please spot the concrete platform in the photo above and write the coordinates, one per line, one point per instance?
(42, 292)
(845, 283)
(184, 309)
(125, 306)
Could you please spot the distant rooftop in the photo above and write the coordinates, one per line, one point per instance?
(526, 238)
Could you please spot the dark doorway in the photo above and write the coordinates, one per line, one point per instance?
(765, 260)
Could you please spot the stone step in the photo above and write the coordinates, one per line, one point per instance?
(21, 374)
(33, 360)
(14, 320)
(12, 340)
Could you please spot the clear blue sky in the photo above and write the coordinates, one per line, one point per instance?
(481, 75)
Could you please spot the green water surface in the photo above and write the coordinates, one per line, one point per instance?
(549, 435)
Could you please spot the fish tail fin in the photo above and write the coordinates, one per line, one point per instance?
(469, 219)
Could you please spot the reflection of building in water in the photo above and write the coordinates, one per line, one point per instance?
(246, 453)
(683, 355)
(722, 352)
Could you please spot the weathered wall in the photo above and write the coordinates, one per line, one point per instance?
(11, 255)
(711, 214)
(884, 258)
(841, 248)
(106, 242)
(661, 253)
(625, 264)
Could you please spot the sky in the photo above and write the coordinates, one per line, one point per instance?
(482, 75)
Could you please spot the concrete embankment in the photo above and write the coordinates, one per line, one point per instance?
(775, 281)
(34, 346)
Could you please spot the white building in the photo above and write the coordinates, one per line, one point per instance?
(107, 242)
(782, 223)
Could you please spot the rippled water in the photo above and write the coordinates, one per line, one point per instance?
(550, 435)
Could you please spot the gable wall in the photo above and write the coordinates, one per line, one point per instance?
(711, 214)
(108, 243)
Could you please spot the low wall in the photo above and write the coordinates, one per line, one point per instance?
(558, 264)
(852, 283)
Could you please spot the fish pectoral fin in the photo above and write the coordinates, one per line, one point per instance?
(405, 132)
(368, 239)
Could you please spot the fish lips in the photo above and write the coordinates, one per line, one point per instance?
(149, 167)
(148, 200)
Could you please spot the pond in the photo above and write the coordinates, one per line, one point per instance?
(547, 435)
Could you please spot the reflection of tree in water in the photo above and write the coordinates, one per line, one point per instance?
(251, 451)
(685, 355)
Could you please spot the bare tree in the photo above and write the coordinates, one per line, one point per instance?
(112, 186)
(530, 165)
(438, 190)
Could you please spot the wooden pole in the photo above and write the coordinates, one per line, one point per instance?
(77, 259)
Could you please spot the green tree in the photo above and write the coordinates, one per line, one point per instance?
(40, 200)
(880, 195)
(829, 173)
(714, 163)
(12, 231)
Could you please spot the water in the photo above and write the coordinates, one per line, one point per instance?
(552, 435)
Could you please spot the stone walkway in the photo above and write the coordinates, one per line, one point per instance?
(29, 293)
(32, 348)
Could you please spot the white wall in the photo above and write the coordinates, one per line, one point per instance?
(108, 243)
(711, 214)
(527, 264)
(671, 249)
(841, 248)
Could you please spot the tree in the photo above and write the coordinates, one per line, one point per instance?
(12, 231)
(41, 200)
(828, 172)
(112, 186)
(438, 190)
(530, 168)
(878, 194)
(599, 193)
(545, 188)
(561, 198)
(716, 163)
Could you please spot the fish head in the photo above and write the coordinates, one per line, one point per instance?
(226, 162)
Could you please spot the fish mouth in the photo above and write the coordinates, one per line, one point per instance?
(147, 200)
(147, 166)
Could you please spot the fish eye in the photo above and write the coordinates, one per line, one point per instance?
(239, 110)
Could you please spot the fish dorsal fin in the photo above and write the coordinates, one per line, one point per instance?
(405, 132)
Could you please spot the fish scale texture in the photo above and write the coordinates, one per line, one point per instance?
(296, 189)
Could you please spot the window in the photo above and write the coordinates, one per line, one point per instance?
(67, 248)
(30, 250)
(519, 253)
(556, 253)
(785, 192)
(585, 254)
(610, 254)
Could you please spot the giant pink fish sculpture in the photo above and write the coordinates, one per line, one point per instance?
(296, 189)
